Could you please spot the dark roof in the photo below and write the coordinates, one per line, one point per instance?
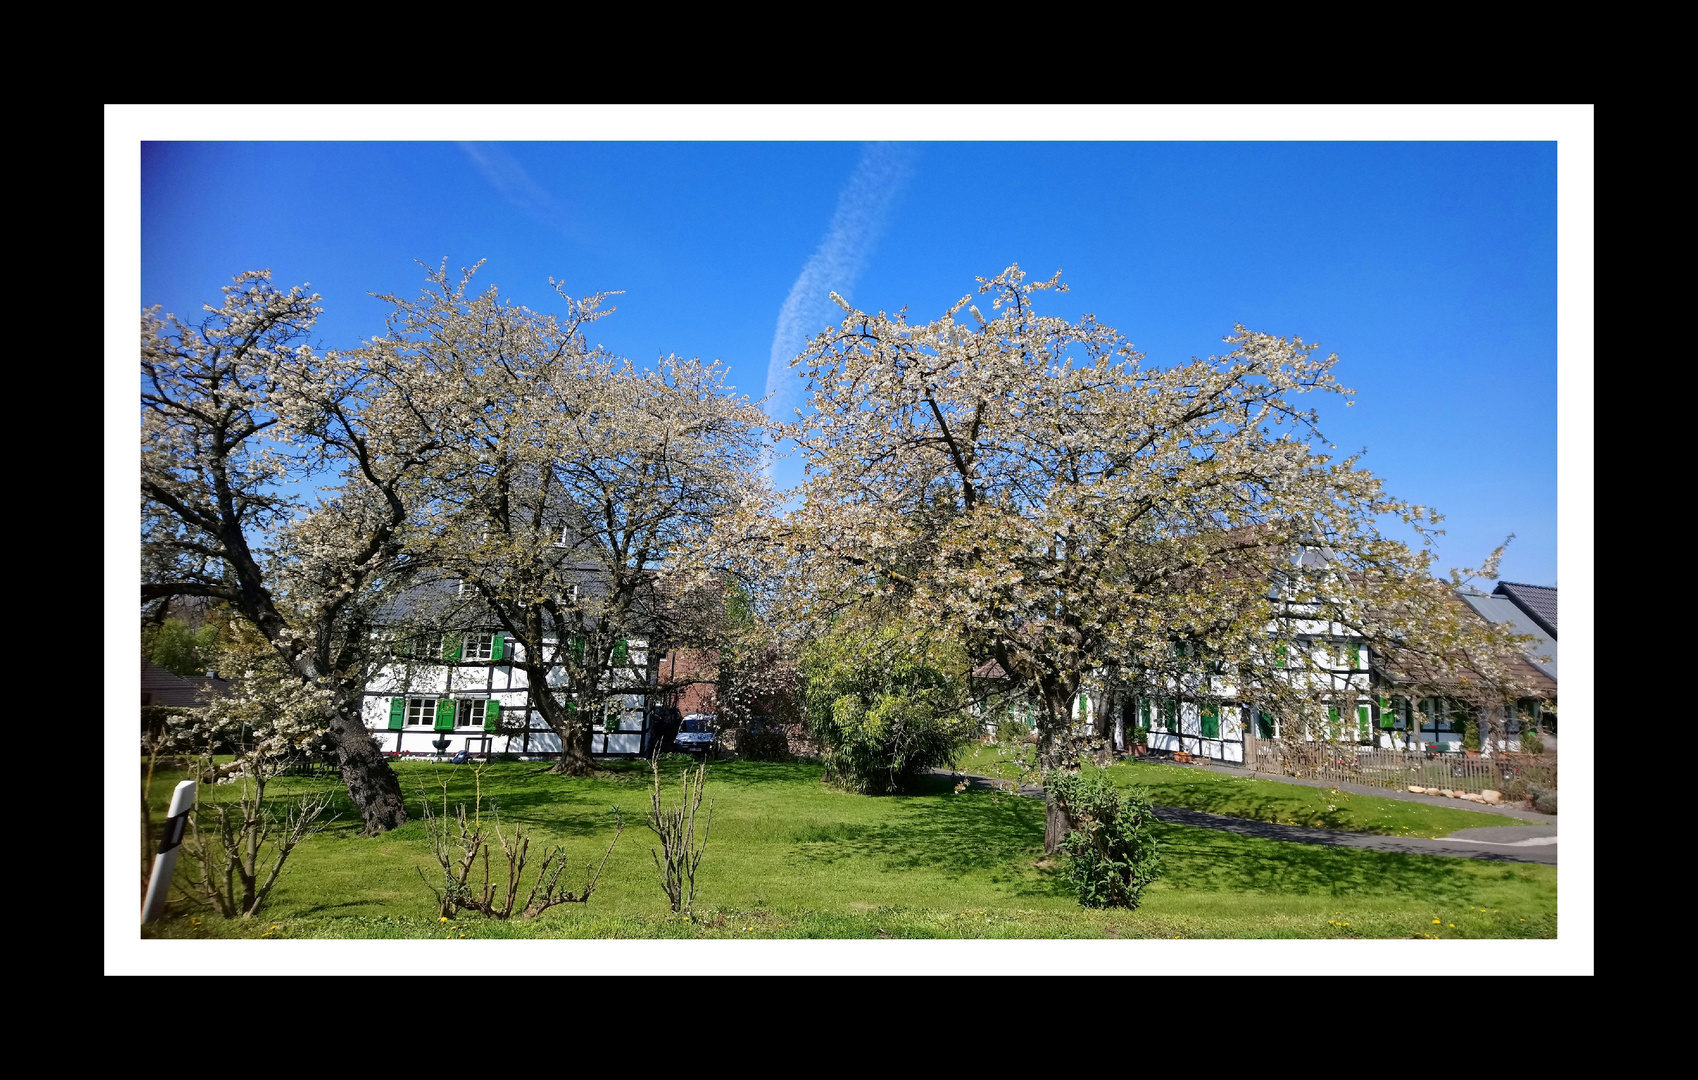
(990, 669)
(1538, 601)
(1500, 609)
(160, 687)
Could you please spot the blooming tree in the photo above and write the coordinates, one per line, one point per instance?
(237, 412)
(574, 495)
(1028, 485)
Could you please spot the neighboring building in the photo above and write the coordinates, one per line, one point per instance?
(161, 690)
(1206, 715)
(487, 707)
(160, 687)
(1538, 602)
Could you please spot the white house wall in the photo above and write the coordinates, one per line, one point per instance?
(507, 685)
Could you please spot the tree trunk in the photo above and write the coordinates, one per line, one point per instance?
(372, 784)
(1056, 825)
(575, 759)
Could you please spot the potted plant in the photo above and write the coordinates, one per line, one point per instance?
(1140, 741)
(1471, 739)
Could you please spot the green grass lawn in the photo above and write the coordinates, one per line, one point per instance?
(791, 857)
(1271, 800)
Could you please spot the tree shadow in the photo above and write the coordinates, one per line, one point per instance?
(1211, 861)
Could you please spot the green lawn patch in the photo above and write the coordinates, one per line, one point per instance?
(1259, 799)
(1294, 804)
(790, 857)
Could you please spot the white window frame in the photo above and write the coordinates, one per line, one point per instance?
(423, 706)
(478, 646)
(470, 712)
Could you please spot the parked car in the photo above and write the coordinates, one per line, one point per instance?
(695, 733)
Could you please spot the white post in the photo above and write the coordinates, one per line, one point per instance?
(159, 886)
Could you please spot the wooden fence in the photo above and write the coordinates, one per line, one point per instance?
(1510, 773)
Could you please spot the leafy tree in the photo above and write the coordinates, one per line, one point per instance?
(180, 649)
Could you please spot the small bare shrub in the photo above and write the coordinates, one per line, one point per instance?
(242, 853)
(461, 844)
(679, 854)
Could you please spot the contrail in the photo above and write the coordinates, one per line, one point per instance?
(507, 176)
(863, 209)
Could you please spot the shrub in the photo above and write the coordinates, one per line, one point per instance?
(762, 743)
(1530, 742)
(1544, 799)
(1111, 851)
(885, 748)
(1470, 736)
(1009, 730)
(882, 702)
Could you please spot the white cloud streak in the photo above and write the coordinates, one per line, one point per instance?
(863, 210)
(508, 177)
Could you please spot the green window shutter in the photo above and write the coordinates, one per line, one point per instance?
(1332, 722)
(1144, 712)
(578, 649)
(397, 713)
(1265, 724)
(621, 651)
(1171, 719)
(445, 714)
(492, 716)
(1279, 656)
(1211, 723)
(451, 646)
(1355, 656)
(1364, 721)
(499, 650)
(1388, 718)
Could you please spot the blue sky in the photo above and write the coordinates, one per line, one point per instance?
(1430, 267)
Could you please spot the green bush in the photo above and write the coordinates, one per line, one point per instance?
(1470, 736)
(1544, 799)
(1530, 742)
(1009, 730)
(1112, 851)
(882, 703)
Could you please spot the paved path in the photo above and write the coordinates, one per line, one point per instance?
(1493, 843)
(1530, 843)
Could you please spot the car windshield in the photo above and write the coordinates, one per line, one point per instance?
(696, 723)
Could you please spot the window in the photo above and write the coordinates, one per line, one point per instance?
(479, 713)
(479, 647)
(421, 711)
